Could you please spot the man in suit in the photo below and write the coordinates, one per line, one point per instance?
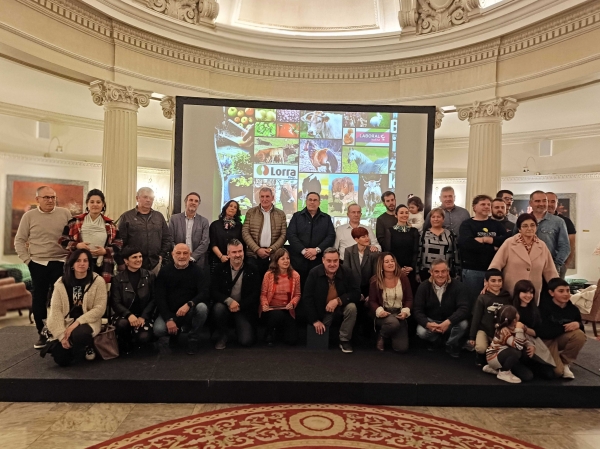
(191, 228)
(360, 259)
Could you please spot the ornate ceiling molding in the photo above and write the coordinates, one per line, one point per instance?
(94, 22)
(196, 12)
(15, 110)
(432, 16)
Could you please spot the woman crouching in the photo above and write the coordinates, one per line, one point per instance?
(78, 304)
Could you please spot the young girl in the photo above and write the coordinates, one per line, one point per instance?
(415, 209)
(508, 347)
(529, 314)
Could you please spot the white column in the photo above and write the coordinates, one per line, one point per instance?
(485, 144)
(119, 152)
(168, 108)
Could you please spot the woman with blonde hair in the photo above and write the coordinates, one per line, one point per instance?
(279, 297)
(390, 299)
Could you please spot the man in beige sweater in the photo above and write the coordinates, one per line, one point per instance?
(37, 246)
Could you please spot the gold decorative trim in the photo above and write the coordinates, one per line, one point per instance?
(14, 110)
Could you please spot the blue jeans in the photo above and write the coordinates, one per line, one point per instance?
(456, 332)
(473, 280)
(195, 318)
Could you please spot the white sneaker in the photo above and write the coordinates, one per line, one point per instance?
(567, 373)
(508, 376)
(90, 354)
(488, 369)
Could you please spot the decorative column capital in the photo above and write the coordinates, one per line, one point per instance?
(430, 16)
(439, 116)
(107, 92)
(498, 108)
(168, 107)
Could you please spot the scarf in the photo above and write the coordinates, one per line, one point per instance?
(401, 228)
(527, 246)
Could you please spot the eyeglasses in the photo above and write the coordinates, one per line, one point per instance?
(49, 198)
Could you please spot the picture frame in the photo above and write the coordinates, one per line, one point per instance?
(20, 198)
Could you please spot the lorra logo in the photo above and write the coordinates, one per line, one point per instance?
(262, 170)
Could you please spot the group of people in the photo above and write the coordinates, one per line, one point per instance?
(446, 274)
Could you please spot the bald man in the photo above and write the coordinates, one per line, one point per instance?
(181, 295)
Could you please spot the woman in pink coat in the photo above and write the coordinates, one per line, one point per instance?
(525, 256)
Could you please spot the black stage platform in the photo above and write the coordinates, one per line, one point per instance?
(283, 374)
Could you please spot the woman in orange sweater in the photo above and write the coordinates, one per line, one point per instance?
(279, 297)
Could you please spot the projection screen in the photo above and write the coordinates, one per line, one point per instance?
(227, 149)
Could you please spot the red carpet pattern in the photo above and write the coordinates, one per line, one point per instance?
(312, 426)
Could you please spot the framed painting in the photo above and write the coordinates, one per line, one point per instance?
(20, 198)
(567, 207)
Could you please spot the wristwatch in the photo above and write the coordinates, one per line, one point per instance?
(318, 250)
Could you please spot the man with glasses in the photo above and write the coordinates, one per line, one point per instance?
(37, 246)
(507, 197)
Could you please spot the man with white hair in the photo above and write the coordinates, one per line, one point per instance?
(146, 229)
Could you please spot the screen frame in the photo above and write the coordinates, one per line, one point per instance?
(180, 102)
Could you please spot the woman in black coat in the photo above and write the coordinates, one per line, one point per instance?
(227, 227)
(132, 299)
(402, 241)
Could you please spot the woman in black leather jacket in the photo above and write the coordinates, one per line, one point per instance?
(133, 302)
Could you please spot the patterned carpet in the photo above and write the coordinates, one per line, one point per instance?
(312, 426)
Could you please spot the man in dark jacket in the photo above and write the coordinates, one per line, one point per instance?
(561, 329)
(236, 292)
(331, 291)
(181, 295)
(441, 306)
(146, 229)
(310, 232)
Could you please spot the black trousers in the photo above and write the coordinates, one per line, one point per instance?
(43, 279)
(512, 359)
(126, 333)
(244, 327)
(261, 265)
(282, 321)
(81, 337)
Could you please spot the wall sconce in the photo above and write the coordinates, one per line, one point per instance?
(58, 149)
(526, 167)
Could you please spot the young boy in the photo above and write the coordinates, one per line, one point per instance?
(484, 312)
(561, 328)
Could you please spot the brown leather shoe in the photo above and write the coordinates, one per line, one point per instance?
(380, 343)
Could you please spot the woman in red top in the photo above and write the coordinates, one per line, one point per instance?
(279, 297)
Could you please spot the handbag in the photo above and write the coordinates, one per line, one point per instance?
(106, 343)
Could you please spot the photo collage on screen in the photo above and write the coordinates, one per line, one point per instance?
(347, 157)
